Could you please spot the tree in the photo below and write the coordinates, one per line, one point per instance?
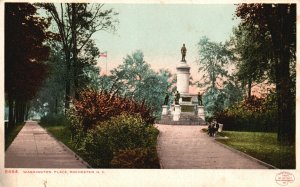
(253, 51)
(233, 91)
(76, 23)
(135, 79)
(213, 58)
(25, 34)
(279, 21)
(50, 98)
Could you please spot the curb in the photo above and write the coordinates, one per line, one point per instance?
(73, 153)
(269, 166)
(68, 149)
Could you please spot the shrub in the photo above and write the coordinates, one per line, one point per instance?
(136, 158)
(120, 133)
(53, 119)
(93, 107)
(75, 127)
(255, 114)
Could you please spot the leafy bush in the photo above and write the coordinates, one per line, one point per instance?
(126, 131)
(76, 128)
(136, 158)
(53, 119)
(254, 114)
(213, 101)
(93, 107)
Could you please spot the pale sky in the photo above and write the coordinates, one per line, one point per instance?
(159, 30)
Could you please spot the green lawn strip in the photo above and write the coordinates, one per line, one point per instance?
(263, 146)
(62, 134)
(12, 133)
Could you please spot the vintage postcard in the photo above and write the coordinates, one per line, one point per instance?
(149, 93)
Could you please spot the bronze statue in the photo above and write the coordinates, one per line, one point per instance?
(177, 96)
(183, 53)
(166, 99)
(199, 99)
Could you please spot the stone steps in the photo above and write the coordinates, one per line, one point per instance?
(183, 120)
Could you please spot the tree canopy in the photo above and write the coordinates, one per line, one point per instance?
(75, 24)
(25, 34)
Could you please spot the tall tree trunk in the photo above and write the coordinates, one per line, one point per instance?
(74, 50)
(26, 111)
(286, 129)
(11, 119)
(17, 111)
(249, 88)
(68, 84)
(20, 112)
(56, 105)
(281, 42)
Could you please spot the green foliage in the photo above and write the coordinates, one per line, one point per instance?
(213, 101)
(233, 93)
(93, 107)
(136, 158)
(253, 114)
(216, 100)
(254, 49)
(120, 133)
(263, 146)
(51, 96)
(75, 23)
(213, 57)
(135, 78)
(222, 90)
(53, 119)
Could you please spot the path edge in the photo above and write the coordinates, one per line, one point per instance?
(68, 149)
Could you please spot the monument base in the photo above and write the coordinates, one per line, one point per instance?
(183, 114)
(165, 110)
(183, 119)
(201, 114)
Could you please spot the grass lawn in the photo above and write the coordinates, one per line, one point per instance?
(263, 146)
(10, 134)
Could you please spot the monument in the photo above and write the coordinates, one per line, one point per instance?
(187, 108)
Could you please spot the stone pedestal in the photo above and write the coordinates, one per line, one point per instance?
(183, 77)
(164, 110)
(201, 112)
(177, 112)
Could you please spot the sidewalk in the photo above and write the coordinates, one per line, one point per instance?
(35, 148)
(186, 147)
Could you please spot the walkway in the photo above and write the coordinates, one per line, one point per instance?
(187, 147)
(35, 148)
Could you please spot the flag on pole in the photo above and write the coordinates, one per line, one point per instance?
(104, 54)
